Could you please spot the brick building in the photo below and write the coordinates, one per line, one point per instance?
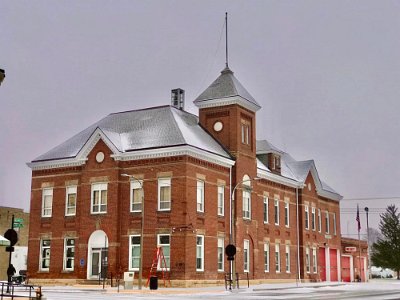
(204, 182)
(19, 256)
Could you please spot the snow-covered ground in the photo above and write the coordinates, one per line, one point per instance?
(376, 289)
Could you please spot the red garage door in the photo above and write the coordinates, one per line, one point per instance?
(346, 277)
(334, 264)
(322, 263)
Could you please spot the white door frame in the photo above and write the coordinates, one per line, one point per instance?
(98, 240)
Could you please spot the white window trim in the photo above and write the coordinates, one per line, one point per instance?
(136, 185)
(334, 224)
(277, 258)
(101, 187)
(308, 260)
(313, 220)
(246, 192)
(47, 192)
(307, 217)
(161, 245)
(41, 255)
(200, 196)
(65, 253)
(246, 256)
(287, 209)
(201, 269)
(266, 249)
(319, 221)
(161, 183)
(68, 191)
(315, 262)
(276, 201)
(130, 252)
(220, 245)
(327, 221)
(287, 254)
(266, 210)
(220, 204)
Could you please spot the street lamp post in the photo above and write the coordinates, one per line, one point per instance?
(141, 229)
(369, 253)
(232, 222)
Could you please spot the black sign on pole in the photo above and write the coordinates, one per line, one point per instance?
(230, 251)
(12, 236)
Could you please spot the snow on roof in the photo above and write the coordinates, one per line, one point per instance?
(225, 88)
(156, 127)
(293, 169)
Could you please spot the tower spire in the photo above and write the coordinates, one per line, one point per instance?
(226, 40)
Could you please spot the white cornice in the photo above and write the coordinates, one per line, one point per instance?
(54, 164)
(175, 151)
(136, 155)
(228, 101)
(92, 141)
(279, 179)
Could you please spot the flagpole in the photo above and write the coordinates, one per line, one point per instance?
(359, 242)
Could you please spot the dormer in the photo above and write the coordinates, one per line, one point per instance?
(274, 162)
(270, 156)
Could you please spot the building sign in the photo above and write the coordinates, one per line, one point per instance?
(350, 249)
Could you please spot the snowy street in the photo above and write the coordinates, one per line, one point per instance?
(378, 289)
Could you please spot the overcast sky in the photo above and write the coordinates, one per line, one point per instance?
(326, 74)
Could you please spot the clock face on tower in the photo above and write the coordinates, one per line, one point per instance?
(218, 126)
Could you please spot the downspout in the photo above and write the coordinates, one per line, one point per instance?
(298, 236)
(230, 219)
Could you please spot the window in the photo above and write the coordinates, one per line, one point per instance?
(314, 257)
(287, 214)
(266, 257)
(277, 259)
(246, 256)
(163, 240)
(200, 196)
(246, 204)
(245, 133)
(327, 222)
(134, 252)
(276, 211)
(308, 260)
(306, 218)
(136, 195)
(70, 201)
(319, 220)
(164, 194)
(99, 198)
(200, 253)
(334, 224)
(313, 218)
(266, 210)
(220, 254)
(47, 202)
(44, 255)
(221, 199)
(287, 256)
(69, 254)
(276, 162)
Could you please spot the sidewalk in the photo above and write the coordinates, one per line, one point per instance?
(221, 289)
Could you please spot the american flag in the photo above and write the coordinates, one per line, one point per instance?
(358, 219)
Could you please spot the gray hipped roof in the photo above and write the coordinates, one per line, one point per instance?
(157, 127)
(226, 86)
(291, 168)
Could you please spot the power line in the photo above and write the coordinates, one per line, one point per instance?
(372, 198)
